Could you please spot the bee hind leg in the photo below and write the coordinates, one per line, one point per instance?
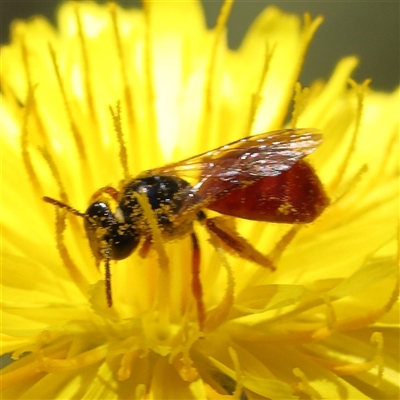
(231, 241)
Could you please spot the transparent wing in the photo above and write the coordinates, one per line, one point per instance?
(266, 154)
(239, 164)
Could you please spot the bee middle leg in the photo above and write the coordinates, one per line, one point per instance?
(197, 288)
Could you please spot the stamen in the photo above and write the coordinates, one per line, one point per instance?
(395, 294)
(391, 145)
(208, 89)
(25, 59)
(77, 135)
(123, 153)
(125, 365)
(26, 156)
(351, 185)
(220, 312)
(222, 376)
(283, 243)
(184, 365)
(162, 301)
(31, 88)
(378, 340)
(21, 374)
(304, 385)
(299, 101)
(90, 357)
(17, 354)
(148, 59)
(238, 371)
(331, 320)
(360, 91)
(86, 66)
(376, 361)
(154, 228)
(128, 93)
(140, 391)
(72, 268)
(309, 29)
(33, 367)
(256, 99)
(56, 174)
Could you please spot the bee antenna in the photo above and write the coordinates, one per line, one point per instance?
(60, 204)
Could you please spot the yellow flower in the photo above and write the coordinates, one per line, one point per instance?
(158, 83)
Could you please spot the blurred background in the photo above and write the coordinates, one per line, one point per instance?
(367, 29)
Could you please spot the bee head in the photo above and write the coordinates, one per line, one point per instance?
(108, 234)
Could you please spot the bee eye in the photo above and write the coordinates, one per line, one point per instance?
(105, 232)
(98, 213)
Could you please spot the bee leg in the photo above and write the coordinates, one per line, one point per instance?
(196, 282)
(108, 278)
(112, 192)
(232, 241)
(144, 250)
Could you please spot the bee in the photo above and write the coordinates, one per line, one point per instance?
(262, 178)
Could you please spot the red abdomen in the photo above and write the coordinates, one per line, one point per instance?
(294, 196)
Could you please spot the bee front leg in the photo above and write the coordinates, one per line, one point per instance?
(108, 278)
(112, 192)
(145, 248)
